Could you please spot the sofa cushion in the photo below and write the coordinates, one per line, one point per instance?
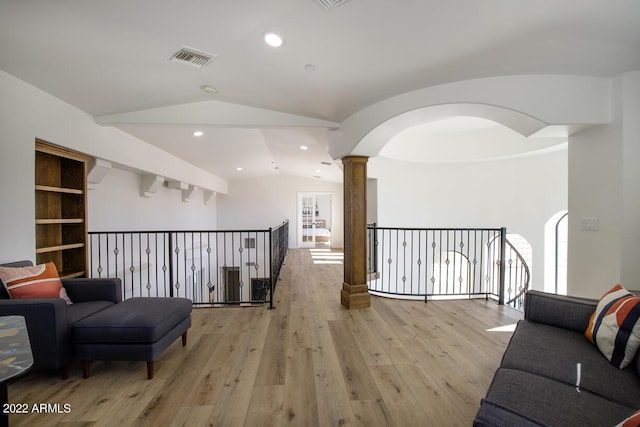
(3, 290)
(38, 281)
(136, 320)
(494, 415)
(615, 326)
(564, 311)
(79, 311)
(550, 403)
(555, 352)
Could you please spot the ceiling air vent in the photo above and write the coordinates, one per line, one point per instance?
(191, 56)
(330, 4)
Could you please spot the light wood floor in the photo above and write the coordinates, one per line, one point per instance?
(309, 362)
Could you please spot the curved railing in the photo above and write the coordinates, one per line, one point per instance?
(518, 275)
(421, 263)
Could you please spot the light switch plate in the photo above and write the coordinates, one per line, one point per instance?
(590, 224)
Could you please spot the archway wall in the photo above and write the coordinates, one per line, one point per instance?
(527, 104)
(519, 194)
(603, 177)
(604, 184)
(524, 103)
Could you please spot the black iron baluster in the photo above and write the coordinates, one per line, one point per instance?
(124, 252)
(503, 241)
(271, 267)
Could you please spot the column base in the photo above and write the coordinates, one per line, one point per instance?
(355, 296)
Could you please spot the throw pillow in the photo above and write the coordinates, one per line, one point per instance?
(632, 421)
(615, 326)
(38, 281)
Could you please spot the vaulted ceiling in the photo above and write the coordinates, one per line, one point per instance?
(110, 59)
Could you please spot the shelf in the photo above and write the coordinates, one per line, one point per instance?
(58, 189)
(60, 208)
(59, 248)
(71, 275)
(60, 221)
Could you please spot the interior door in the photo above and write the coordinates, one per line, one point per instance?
(314, 219)
(307, 216)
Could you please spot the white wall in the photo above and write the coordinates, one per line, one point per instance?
(27, 113)
(629, 90)
(604, 183)
(520, 194)
(116, 205)
(265, 202)
(594, 192)
(372, 200)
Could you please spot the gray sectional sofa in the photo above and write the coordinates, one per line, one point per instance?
(49, 320)
(99, 325)
(537, 383)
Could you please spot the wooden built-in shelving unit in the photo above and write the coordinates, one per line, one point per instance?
(60, 192)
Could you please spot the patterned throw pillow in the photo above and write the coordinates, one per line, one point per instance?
(632, 421)
(615, 326)
(38, 281)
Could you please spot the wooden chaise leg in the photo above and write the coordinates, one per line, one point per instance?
(150, 369)
(65, 371)
(184, 339)
(85, 369)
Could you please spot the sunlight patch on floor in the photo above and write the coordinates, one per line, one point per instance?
(326, 256)
(505, 328)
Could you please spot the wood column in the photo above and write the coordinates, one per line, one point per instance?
(355, 292)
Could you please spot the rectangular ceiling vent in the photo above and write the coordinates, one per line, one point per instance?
(330, 4)
(191, 56)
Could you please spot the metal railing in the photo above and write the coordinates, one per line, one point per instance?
(446, 263)
(209, 267)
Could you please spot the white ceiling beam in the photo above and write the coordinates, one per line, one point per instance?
(214, 113)
(178, 185)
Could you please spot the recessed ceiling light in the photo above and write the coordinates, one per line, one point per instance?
(304, 147)
(198, 133)
(273, 39)
(238, 169)
(209, 89)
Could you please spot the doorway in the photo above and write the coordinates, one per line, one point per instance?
(314, 220)
(231, 277)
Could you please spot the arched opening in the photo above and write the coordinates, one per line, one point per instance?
(377, 138)
(555, 262)
(469, 166)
